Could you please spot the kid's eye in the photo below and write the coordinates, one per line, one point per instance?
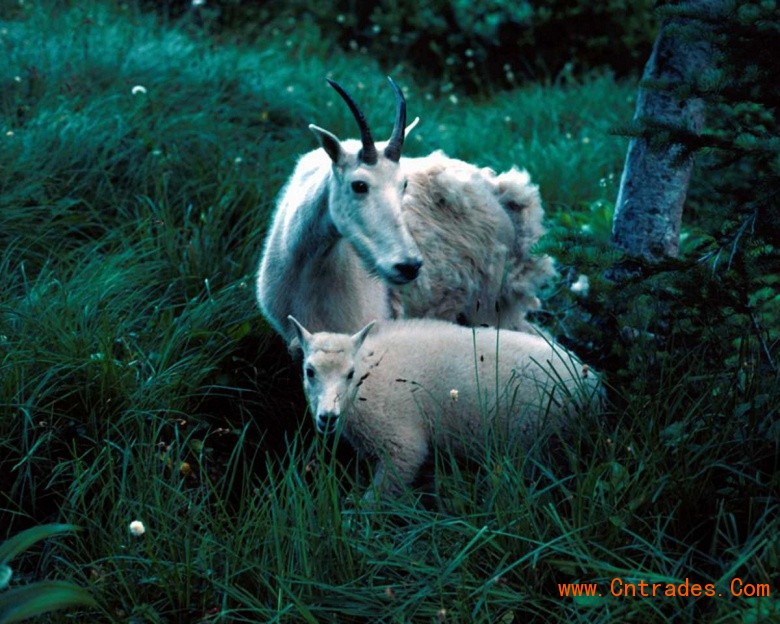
(310, 372)
(351, 374)
(406, 183)
(360, 187)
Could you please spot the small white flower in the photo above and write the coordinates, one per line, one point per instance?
(137, 528)
(454, 98)
(9, 133)
(238, 160)
(581, 286)
(138, 89)
(17, 78)
(454, 394)
(198, 3)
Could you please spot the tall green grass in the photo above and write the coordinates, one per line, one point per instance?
(138, 382)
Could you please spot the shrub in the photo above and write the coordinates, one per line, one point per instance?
(459, 44)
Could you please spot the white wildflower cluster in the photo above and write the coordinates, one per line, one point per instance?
(607, 180)
(509, 74)
(581, 286)
(137, 528)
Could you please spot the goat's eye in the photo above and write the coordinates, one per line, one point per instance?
(359, 186)
(406, 183)
(351, 374)
(310, 372)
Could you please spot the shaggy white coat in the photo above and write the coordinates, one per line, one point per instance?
(475, 231)
(328, 258)
(397, 391)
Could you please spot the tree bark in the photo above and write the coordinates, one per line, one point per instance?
(654, 184)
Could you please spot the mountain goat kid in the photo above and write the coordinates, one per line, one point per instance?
(413, 384)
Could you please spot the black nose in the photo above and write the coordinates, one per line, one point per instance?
(327, 422)
(407, 271)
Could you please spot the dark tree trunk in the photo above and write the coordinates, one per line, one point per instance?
(649, 205)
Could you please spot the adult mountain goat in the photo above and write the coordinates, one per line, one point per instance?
(361, 233)
(409, 385)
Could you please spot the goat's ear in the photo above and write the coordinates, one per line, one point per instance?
(411, 126)
(330, 143)
(304, 336)
(357, 339)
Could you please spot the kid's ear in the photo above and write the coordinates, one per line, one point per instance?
(357, 339)
(304, 336)
(330, 143)
(295, 350)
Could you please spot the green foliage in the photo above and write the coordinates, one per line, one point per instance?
(462, 45)
(26, 601)
(21, 542)
(721, 296)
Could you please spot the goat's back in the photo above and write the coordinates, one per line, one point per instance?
(438, 357)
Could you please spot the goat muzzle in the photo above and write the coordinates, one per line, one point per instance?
(327, 422)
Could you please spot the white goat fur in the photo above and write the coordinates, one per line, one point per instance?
(475, 230)
(409, 385)
(331, 256)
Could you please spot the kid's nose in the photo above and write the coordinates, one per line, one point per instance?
(326, 422)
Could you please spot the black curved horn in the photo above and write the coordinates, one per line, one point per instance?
(396, 142)
(368, 154)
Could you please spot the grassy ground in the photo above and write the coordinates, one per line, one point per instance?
(137, 381)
